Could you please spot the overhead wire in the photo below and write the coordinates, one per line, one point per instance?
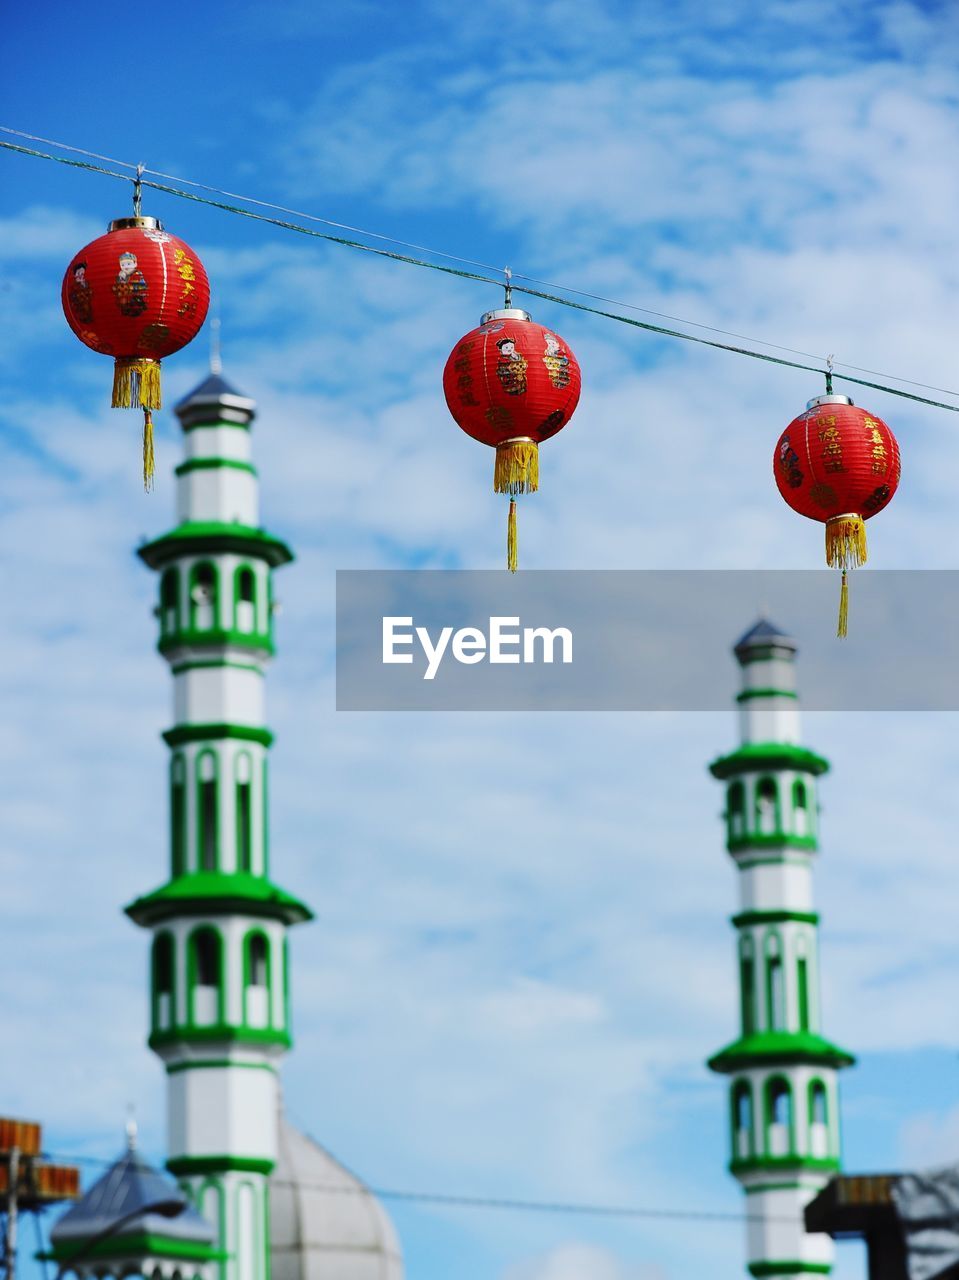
(505, 1203)
(557, 298)
(486, 266)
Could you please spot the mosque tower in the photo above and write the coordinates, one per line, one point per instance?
(220, 990)
(783, 1093)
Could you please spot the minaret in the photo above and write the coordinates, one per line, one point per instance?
(219, 999)
(783, 1094)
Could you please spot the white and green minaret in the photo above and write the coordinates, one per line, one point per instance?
(783, 1086)
(219, 998)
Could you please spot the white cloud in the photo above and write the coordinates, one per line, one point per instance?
(929, 1139)
(579, 1261)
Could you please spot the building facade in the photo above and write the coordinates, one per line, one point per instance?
(783, 1086)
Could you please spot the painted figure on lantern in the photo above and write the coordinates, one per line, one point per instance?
(557, 364)
(511, 367)
(130, 287)
(81, 295)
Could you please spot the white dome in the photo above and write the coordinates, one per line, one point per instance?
(324, 1223)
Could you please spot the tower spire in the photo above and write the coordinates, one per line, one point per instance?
(784, 1103)
(216, 364)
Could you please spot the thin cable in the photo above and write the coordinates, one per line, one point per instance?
(263, 204)
(93, 155)
(488, 1202)
(453, 257)
(470, 275)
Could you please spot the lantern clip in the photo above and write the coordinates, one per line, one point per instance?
(509, 287)
(829, 364)
(138, 191)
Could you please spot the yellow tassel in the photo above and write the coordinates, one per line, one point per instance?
(511, 544)
(148, 458)
(845, 542)
(845, 549)
(517, 467)
(136, 383)
(843, 607)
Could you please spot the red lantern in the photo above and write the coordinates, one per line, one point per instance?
(511, 383)
(137, 294)
(838, 464)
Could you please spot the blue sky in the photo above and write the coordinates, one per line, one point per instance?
(522, 1014)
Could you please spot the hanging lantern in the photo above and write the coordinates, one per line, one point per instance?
(137, 294)
(512, 384)
(838, 464)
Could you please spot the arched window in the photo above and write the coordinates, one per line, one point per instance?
(742, 1120)
(818, 1121)
(778, 1117)
(775, 984)
(802, 984)
(203, 595)
(207, 824)
(177, 815)
(265, 816)
(210, 1202)
(767, 817)
(800, 808)
(169, 601)
(163, 981)
(244, 812)
(206, 974)
(736, 811)
(245, 600)
(286, 981)
(747, 986)
(257, 985)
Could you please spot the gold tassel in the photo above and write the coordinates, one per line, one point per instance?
(845, 542)
(845, 549)
(511, 545)
(843, 607)
(148, 458)
(517, 466)
(136, 383)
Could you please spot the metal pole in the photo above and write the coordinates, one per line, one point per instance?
(13, 1184)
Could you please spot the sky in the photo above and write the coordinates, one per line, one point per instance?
(522, 954)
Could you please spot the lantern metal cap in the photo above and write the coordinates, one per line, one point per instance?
(505, 313)
(144, 224)
(830, 399)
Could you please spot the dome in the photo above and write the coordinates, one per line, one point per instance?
(324, 1223)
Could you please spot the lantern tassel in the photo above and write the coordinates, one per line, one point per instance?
(149, 462)
(136, 383)
(512, 560)
(517, 466)
(841, 630)
(845, 550)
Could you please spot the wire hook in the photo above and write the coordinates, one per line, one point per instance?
(509, 287)
(138, 191)
(829, 365)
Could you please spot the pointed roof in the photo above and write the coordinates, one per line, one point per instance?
(212, 385)
(763, 635)
(124, 1193)
(215, 399)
